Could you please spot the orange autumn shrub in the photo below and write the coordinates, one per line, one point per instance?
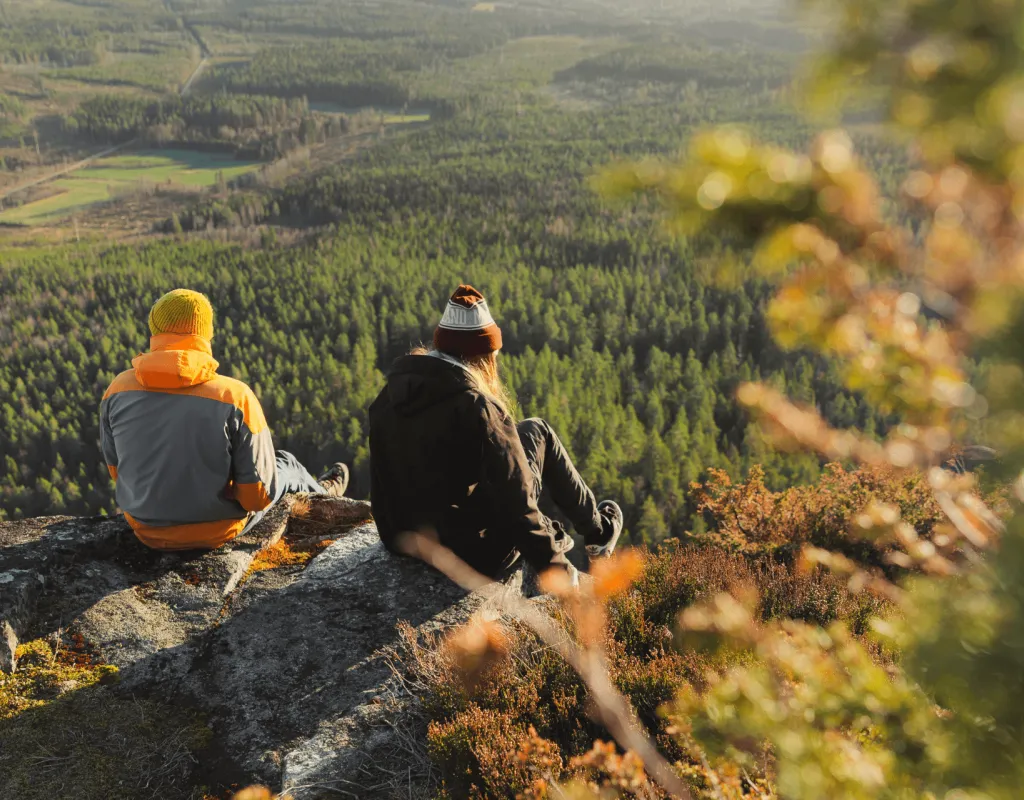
(750, 518)
(522, 724)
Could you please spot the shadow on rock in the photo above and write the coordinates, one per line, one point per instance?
(292, 681)
(289, 667)
(94, 577)
(65, 732)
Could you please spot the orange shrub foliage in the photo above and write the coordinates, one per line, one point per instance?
(523, 721)
(487, 753)
(750, 518)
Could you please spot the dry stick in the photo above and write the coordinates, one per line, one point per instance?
(612, 709)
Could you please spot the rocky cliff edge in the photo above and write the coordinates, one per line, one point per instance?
(281, 643)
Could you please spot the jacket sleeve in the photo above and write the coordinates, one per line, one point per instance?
(508, 475)
(107, 439)
(252, 458)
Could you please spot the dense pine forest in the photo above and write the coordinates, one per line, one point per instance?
(623, 338)
(247, 125)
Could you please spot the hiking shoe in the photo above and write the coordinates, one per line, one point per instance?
(611, 528)
(335, 480)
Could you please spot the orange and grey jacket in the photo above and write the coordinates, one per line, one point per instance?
(189, 449)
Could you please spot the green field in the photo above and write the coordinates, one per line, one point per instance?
(109, 177)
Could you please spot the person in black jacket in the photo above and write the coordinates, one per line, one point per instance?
(447, 457)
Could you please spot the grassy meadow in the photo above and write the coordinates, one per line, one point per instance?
(109, 177)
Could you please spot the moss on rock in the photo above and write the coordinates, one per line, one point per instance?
(65, 731)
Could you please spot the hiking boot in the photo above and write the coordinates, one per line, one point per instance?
(335, 480)
(611, 528)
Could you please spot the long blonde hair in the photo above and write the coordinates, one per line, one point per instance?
(484, 370)
(486, 379)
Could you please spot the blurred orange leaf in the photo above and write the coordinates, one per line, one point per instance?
(615, 575)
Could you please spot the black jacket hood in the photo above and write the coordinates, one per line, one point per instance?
(415, 383)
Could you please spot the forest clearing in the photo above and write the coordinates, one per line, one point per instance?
(115, 176)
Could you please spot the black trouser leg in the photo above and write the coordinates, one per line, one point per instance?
(556, 474)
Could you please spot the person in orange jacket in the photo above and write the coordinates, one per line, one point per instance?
(189, 449)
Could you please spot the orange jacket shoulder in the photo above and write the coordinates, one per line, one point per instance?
(125, 382)
(220, 387)
(233, 392)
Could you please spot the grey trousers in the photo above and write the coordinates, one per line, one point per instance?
(292, 478)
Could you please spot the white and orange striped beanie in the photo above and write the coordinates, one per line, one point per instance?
(467, 329)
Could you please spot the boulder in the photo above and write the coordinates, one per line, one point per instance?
(289, 663)
(126, 600)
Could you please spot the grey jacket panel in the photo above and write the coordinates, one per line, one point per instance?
(253, 458)
(174, 456)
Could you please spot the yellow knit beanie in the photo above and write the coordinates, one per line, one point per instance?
(182, 311)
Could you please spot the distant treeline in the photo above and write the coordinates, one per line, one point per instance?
(635, 364)
(678, 62)
(348, 72)
(12, 115)
(252, 126)
(371, 55)
(51, 41)
(613, 332)
(519, 178)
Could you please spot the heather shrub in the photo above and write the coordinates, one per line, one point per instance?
(674, 578)
(750, 518)
(521, 718)
(480, 752)
(819, 598)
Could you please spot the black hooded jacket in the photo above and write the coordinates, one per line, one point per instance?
(443, 457)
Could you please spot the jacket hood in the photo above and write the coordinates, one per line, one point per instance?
(175, 362)
(416, 383)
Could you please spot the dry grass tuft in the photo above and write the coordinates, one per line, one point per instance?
(301, 508)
